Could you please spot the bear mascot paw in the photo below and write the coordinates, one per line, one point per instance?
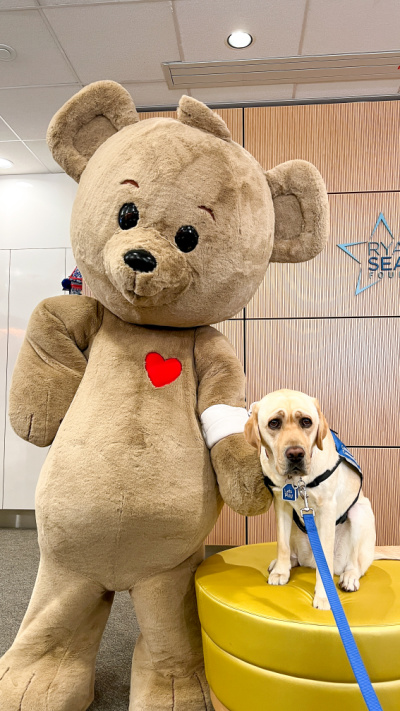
(173, 228)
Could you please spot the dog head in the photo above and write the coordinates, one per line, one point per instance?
(289, 424)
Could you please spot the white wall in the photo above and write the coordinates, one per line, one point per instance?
(35, 255)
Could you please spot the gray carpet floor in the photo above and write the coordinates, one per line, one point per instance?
(19, 559)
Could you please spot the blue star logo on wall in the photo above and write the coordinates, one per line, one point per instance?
(364, 260)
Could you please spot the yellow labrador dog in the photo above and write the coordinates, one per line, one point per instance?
(297, 449)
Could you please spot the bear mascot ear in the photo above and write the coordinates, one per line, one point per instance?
(86, 121)
(301, 211)
(196, 114)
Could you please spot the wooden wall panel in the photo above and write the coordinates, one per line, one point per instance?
(350, 365)
(326, 285)
(234, 332)
(355, 146)
(143, 115)
(381, 468)
(230, 530)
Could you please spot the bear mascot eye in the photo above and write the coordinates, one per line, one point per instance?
(186, 238)
(128, 216)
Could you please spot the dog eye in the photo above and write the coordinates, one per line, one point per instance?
(186, 238)
(128, 216)
(305, 422)
(275, 424)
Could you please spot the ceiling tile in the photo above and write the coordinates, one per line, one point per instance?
(356, 26)
(24, 161)
(125, 42)
(238, 94)
(5, 133)
(29, 111)
(46, 3)
(14, 4)
(205, 25)
(38, 60)
(346, 88)
(41, 151)
(154, 94)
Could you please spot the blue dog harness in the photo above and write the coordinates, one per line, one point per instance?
(343, 456)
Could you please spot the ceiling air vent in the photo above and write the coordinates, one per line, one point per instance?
(284, 70)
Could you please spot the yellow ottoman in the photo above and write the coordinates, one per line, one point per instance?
(266, 648)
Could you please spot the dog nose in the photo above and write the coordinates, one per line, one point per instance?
(140, 260)
(295, 454)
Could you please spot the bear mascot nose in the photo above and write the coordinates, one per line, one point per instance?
(140, 260)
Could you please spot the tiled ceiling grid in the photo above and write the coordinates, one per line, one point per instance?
(62, 45)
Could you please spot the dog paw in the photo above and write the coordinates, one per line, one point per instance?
(349, 581)
(321, 603)
(272, 565)
(278, 578)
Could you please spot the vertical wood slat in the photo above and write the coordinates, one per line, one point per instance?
(355, 146)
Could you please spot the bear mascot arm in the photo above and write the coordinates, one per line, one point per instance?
(50, 365)
(235, 462)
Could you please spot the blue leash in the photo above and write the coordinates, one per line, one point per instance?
(349, 644)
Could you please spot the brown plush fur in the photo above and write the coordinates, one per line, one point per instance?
(129, 489)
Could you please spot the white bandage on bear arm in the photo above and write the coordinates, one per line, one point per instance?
(219, 421)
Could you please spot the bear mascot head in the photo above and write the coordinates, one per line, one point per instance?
(173, 228)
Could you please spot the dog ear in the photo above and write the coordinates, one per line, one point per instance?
(94, 114)
(322, 427)
(301, 211)
(251, 431)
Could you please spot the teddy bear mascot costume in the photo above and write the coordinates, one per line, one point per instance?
(173, 228)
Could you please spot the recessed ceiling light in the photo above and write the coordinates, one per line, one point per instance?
(7, 54)
(4, 163)
(239, 40)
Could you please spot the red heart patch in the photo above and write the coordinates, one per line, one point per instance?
(160, 371)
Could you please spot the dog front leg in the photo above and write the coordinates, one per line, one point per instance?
(325, 521)
(284, 517)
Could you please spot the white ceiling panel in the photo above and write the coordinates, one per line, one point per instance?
(38, 60)
(47, 3)
(24, 161)
(236, 94)
(154, 94)
(346, 88)
(205, 25)
(356, 26)
(29, 111)
(125, 42)
(5, 133)
(42, 152)
(13, 4)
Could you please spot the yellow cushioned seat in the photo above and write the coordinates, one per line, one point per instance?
(266, 647)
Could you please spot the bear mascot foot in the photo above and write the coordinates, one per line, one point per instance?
(45, 685)
(154, 688)
(151, 691)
